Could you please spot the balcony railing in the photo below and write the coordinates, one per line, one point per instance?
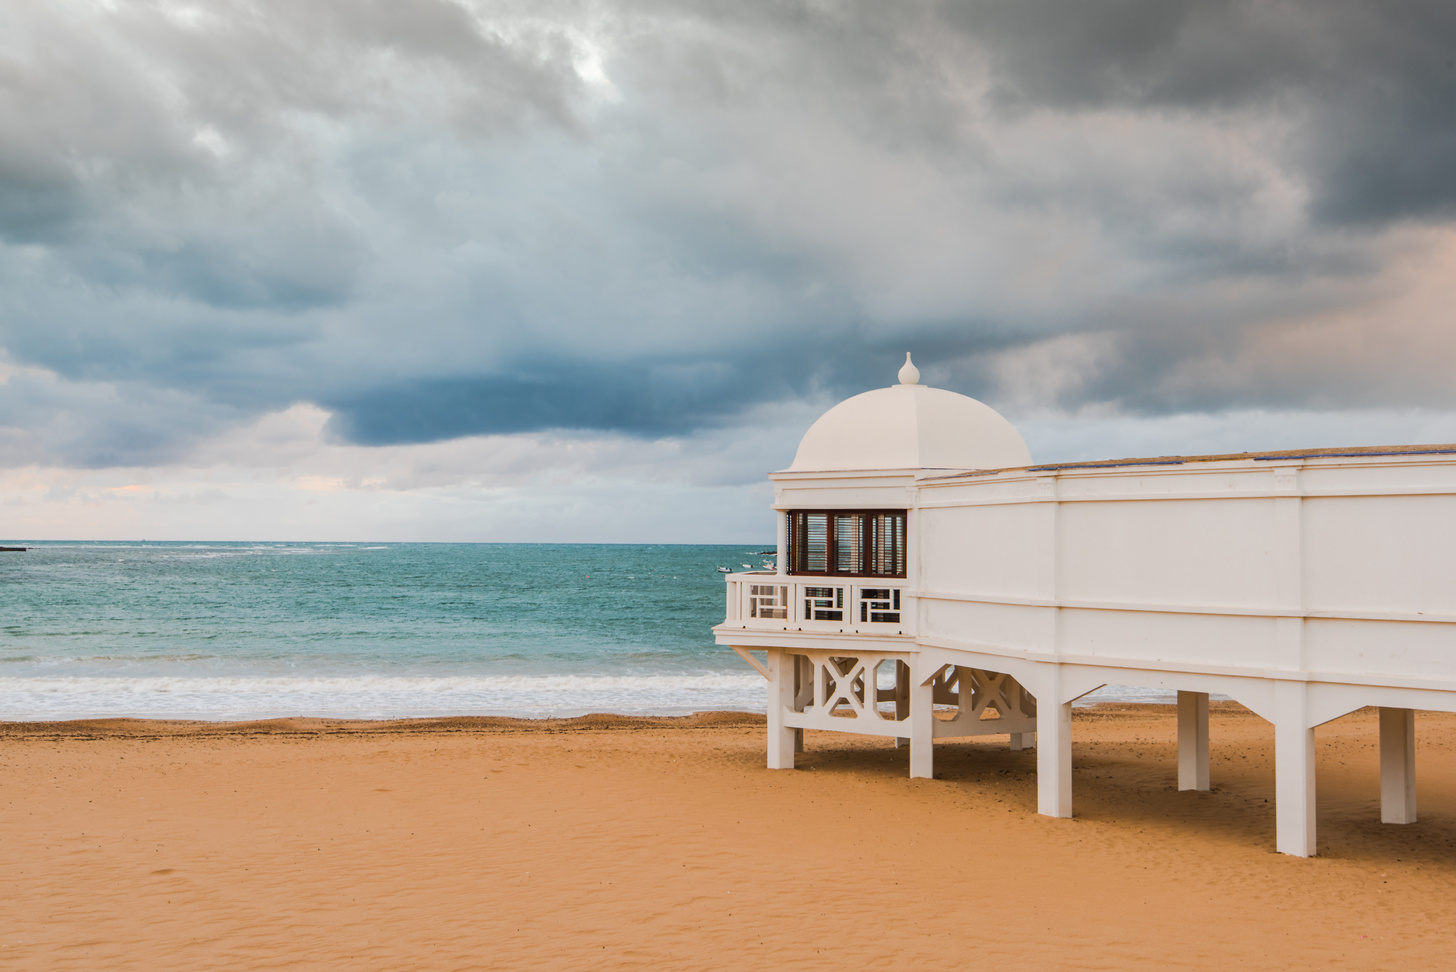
(765, 601)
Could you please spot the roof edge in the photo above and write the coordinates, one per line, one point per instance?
(1345, 452)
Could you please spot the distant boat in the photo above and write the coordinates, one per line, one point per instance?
(765, 553)
(747, 566)
(725, 570)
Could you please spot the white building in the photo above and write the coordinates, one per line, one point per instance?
(923, 562)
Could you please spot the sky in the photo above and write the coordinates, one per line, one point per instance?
(450, 270)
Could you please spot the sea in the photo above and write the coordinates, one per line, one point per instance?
(233, 631)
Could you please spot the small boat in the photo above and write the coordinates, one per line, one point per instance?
(747, 566)
(725, 570)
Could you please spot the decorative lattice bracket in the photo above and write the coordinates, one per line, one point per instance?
(986, 703)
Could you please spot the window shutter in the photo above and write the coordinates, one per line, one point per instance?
(852, 543)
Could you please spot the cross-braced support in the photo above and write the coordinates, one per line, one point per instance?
(881, 693)
(986, 704)
(830, 690)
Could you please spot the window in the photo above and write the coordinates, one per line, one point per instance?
(854, 543)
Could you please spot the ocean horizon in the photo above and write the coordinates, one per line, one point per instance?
(227, 631)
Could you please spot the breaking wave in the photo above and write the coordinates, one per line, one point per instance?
(374, 696)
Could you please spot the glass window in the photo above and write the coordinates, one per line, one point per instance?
(815, 544)
(856, 543)
(849, 544)
(887, 544)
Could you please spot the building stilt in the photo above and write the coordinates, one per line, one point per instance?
(1397, 766)
(922, 729)
(902, 698)
(781, 738)
(1053, 753)
(1193, 740)
(1293, 772)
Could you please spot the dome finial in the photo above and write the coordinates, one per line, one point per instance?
(909, 374)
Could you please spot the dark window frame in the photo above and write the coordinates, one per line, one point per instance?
(798, 542)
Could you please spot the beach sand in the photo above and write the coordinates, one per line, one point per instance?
(612, 842)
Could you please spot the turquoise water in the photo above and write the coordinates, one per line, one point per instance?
(246, 630)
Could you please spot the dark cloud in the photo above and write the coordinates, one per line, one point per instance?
(565, 397)
(95, 425)
(35, 206)
(440, 219)
(639, 398)
(298, 266)
(114, 107)
(1367, 90)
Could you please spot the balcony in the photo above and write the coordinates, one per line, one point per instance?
(765, 601)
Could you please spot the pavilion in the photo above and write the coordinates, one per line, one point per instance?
(931, 582)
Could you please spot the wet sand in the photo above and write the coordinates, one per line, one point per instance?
(663, 843)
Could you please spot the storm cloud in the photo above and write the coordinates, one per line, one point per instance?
(436, 219)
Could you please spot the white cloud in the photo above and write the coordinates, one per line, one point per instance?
(281, 477)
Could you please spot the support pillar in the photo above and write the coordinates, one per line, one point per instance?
(781, 738)
(1193, 740)
(922, 729)
(803, 693)
(902, 698)
(1054, 751)
(1022, 740)
(1397, 766)
(1293, 771)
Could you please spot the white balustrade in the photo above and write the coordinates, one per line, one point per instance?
(766, 601)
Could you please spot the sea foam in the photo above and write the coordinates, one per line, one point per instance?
(374, 696)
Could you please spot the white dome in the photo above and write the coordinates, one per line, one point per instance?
(910, 426)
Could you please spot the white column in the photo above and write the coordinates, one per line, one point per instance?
(803, 692)
(902, 698)
(1397, 766)
(780, 702)
(1193, 740)
(1021, 740)
(1293, 771)
(1054, 751)
(922, 727)
(781, 566)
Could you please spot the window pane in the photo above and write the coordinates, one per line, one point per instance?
(816, 543)
(849, 544)
(887, 544)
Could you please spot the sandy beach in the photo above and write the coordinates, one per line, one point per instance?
(610, 842)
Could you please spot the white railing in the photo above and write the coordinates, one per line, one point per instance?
(766, 601)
